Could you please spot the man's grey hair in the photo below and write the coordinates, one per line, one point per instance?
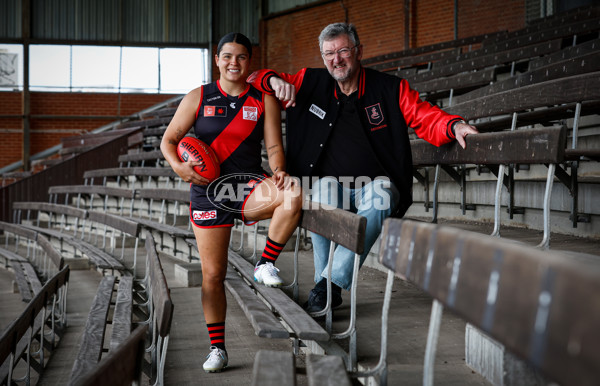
(334, 30)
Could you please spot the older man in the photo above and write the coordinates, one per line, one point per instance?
(348, 127)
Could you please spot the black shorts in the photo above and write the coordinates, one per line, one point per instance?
(222, 201)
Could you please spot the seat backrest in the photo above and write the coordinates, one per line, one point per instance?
(570, 89)
(340, 226)
(540, 304)
(120, 223)
(123, 365)
(527, 146)
(161, 297)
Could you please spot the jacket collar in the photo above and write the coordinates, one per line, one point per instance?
(361, 84)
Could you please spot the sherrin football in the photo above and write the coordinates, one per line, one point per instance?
(192, 149)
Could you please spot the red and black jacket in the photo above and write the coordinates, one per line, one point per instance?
(387, 107)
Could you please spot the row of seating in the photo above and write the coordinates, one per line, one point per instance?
(536, 303)
(109, 242)
(334, 223)
(32, 266)
(27, 343)
(153, 330)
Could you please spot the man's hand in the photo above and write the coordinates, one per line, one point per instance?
(461, 130)
(284, 91)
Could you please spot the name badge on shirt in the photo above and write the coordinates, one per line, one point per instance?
(317, 111)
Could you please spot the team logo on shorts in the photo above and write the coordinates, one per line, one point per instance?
(250, 113)
(201, 215)
(374, 114)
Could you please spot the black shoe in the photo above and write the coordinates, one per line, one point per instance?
(317, 300)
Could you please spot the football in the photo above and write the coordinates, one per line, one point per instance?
(192, 149)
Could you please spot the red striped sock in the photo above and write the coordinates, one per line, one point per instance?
(216, 333)
(271, 252)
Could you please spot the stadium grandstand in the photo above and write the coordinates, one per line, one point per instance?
(492, 277)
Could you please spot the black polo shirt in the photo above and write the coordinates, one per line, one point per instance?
(347, 151)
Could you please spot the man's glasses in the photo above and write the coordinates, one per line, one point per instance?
(344, 53)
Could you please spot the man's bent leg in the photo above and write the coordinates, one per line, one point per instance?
(325, 191)
(376, 201)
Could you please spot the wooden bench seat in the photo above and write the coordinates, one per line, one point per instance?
(160, 315)
(548, 22)
(265, 324)
(457, 66)
(277, 368)
(32, 266)
(536, 303)
(303, 325)
(431, 48)
(143, 175)
(99, 225)
(455, 83)
(168, 111)
(556, 97)
(47, 308)
(146, 123)
(84, 196)
(410, 61)
(92, 338)
(84, 142)
(586, 63)
(157, 206)
(26, 278)
(154, 157)
(122, 367)
(566, 30)
(572, 52)
(121, 322)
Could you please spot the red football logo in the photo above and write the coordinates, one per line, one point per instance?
(192, 149)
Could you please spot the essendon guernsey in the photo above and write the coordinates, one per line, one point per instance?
(233, 127)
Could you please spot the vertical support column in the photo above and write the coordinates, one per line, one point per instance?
(574, 168)
(26, 103)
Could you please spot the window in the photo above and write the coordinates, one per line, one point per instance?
(105, 69)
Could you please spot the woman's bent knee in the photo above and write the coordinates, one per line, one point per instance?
(292, 200)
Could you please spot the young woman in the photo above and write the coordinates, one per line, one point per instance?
(233, 118)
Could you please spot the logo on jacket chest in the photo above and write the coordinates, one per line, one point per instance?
(374, 114)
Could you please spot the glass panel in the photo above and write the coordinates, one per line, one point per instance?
(182, 70)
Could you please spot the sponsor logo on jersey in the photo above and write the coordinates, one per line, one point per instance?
(317, 111)
(250, 113)
(232, 105)
(201, 215)
(215, 111)
(374, 114)
(213, 98)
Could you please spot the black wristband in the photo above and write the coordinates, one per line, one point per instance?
(454, 124)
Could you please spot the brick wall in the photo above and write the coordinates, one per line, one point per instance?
(62, 117)
(289, 42)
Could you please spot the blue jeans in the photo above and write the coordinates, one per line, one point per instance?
(376, 201)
